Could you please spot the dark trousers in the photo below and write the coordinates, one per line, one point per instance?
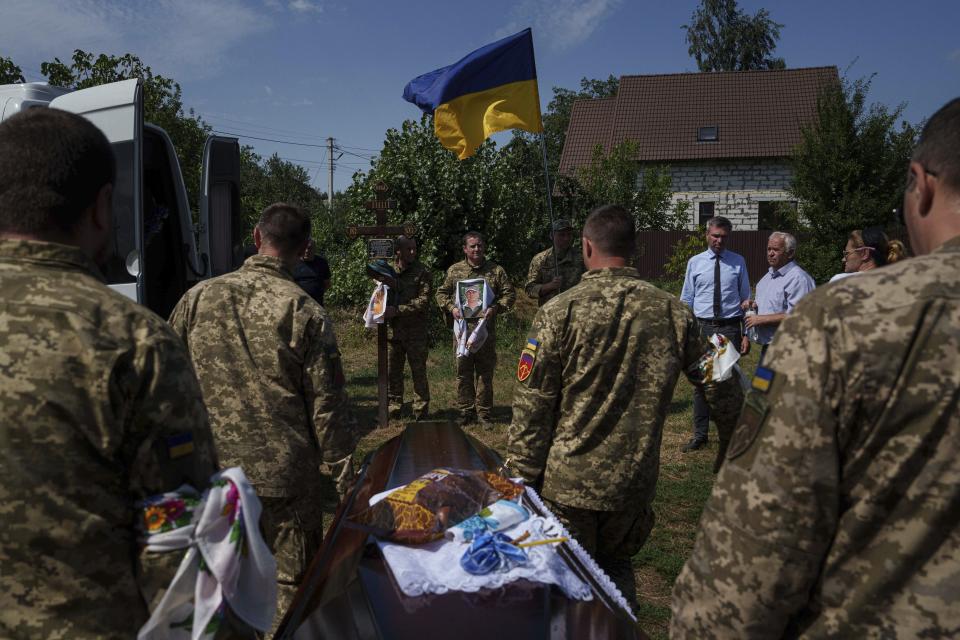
(763, 354)
(701, 411)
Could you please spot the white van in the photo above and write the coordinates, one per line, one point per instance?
(154, 257)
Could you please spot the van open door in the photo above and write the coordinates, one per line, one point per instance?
(117, 110)
(221, 228)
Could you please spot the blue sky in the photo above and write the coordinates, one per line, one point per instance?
(303, 70)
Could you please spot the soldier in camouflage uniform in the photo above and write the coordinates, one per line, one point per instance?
(409, 329)
(475, 372)
(543, 282)
(270, 369)
(99, 405)
(595, 381)
(837, 512)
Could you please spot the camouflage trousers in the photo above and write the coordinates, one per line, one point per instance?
(611, 537)
(701, 410)
(475, 380)
(293, 530)
(412, 349)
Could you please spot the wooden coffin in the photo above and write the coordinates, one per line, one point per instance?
(348, 592)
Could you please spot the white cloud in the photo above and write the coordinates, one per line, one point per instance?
(559, 24)
(954, 55)
(268, 90)
(183, 39)
(305, 6)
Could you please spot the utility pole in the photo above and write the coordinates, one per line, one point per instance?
(330, 181)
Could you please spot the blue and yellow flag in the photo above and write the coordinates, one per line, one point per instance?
(492, 89)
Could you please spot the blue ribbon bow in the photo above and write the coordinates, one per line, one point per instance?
(491, 551)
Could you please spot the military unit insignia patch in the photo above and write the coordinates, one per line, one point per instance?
(527, 357)
(762, 379)
(752, 418)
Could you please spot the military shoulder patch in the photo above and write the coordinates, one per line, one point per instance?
(762, 379)
(752, 417)
(527, 358)
(180, 445)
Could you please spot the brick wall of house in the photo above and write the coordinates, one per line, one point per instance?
(735, 186)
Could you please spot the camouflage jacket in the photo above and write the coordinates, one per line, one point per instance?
(271, 374)
(541, 271)
(588, 415)
(837, 512)
(504, 293)
(414, 291)
(99, 407)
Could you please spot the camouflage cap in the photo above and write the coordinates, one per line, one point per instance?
(561, 224)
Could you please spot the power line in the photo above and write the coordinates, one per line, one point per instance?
(356, 155)
(253, 126)
(243, 135)
(346, 146)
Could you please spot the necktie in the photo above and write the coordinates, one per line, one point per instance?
(717, 308)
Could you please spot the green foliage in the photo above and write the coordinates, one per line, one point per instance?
(275, 180)
(690, 246)
(848, 172)
(162, 103)
(723, 38)
(612, 179)
(9, 72)
(497, 192)
(557, 118)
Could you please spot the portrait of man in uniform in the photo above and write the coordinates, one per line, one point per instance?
(471, 295)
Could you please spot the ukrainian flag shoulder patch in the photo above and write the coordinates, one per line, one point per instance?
(180, 445)
(762, 379)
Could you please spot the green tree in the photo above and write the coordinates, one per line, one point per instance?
(557, 118)
(9, 72)
(723, 38)
(612, 178)
(498, 192)
(162, 103)
(848, 172)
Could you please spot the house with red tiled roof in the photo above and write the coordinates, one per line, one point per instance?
(727, 137)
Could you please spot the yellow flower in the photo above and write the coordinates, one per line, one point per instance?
(154, 517)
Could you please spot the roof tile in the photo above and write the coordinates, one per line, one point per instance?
(758, 114)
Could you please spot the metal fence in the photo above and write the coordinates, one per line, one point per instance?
(656, 247)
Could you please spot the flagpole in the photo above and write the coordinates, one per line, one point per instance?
(546, 179)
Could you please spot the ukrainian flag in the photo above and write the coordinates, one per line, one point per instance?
(492, 89)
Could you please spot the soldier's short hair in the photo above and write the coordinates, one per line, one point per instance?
(611, 229)
(939, 147)
(403, 240)
(719, 222)
(473, 234)
(285, 227)
(52, 167)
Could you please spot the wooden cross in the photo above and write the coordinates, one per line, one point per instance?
(381, 247)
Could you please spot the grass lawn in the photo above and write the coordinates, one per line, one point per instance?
(685, 478)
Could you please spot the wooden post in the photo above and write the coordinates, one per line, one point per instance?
(381, 248)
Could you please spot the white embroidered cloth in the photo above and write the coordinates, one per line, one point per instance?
(469, 341)
(377, 305)
(435, 567)
(227, 561)
(725, 357)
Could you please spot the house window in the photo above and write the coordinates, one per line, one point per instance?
(772, 215)
(707, 134)
(705, 213)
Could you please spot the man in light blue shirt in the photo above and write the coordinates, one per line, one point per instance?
(716, 286)
(779, 291)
